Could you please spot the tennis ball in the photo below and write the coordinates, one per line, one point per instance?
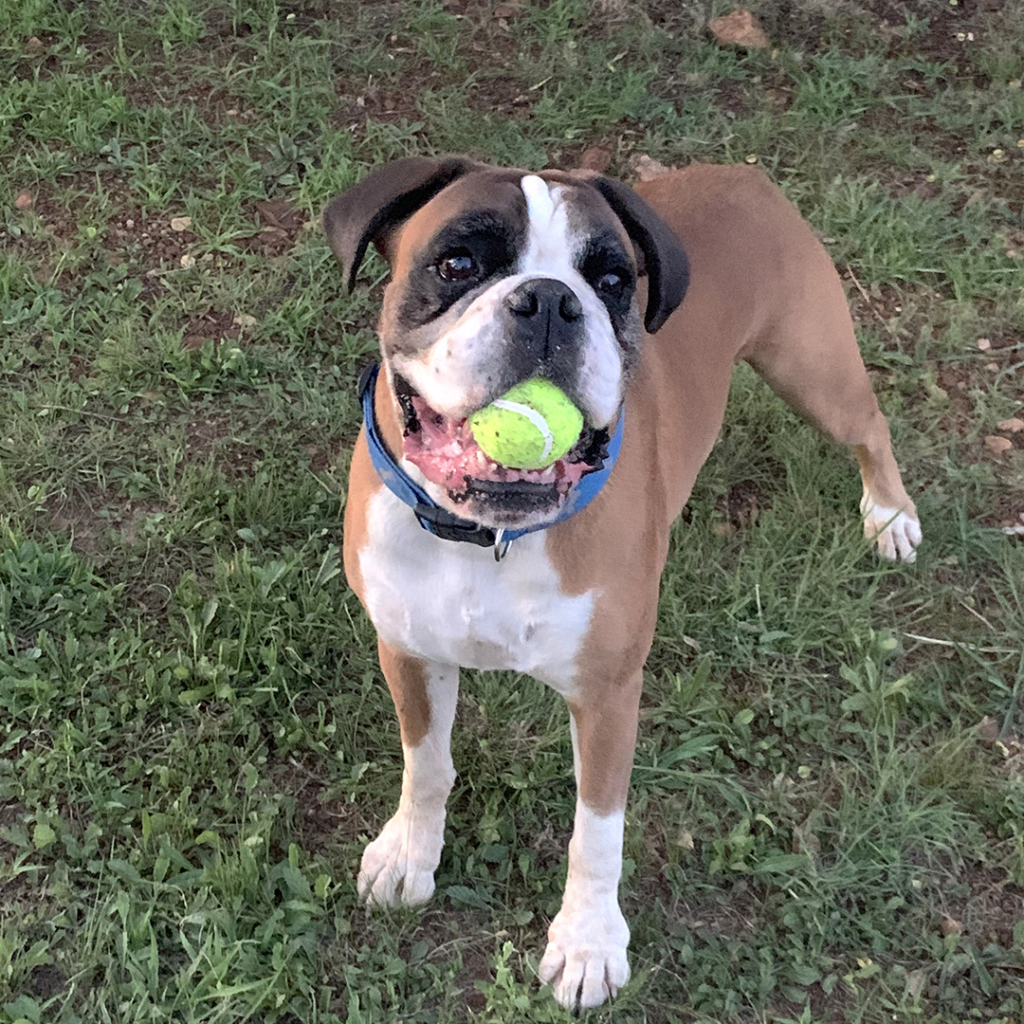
(529, 427)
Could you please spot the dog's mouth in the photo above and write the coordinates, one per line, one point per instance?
(445, 451)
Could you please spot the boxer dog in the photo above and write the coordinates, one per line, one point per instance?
(499, 276)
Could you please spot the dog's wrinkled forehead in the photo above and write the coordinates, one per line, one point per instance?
(542, 220)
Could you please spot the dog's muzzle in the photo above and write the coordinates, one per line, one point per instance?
(445, 451)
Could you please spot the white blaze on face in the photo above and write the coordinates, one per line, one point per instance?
(549, 242)
(551, 248)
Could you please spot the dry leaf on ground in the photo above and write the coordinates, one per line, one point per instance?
(740, 28)
(997, 445)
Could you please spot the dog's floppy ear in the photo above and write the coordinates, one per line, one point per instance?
(664, 261)
(370, 211)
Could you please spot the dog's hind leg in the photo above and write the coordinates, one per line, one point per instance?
(398, 866)
(810, 359)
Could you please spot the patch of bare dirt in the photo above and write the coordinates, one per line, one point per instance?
(210, 326)
(987, 911)
(740, 506)
(321, 822)
(731, 96)
(212, 437)
(947, 28)
(129, 236)
(732, 912)
(90, 518)
(280, 224)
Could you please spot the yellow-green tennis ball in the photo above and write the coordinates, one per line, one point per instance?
(529, 427)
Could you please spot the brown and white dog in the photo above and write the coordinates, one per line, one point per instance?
(499, 276)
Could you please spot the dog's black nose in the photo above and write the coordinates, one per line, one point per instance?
(545, 332)
(545, 298)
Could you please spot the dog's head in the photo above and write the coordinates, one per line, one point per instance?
(499, 276)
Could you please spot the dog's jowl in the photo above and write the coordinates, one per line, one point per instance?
(636, 304)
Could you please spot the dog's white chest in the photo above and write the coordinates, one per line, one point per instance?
(453, 603)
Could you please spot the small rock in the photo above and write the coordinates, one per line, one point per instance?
(596, 159)
(984, 344)
(187, 261)
(181, 223)
(35, 45)
(741, 29)
(915, 982)
(24, 200)
(778, 99)
(997, 445)
(989, 729)
(1011, 426)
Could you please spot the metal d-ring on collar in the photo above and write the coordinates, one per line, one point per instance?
(501, 544)
(442, 523)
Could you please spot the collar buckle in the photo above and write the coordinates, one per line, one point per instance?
(442, 524)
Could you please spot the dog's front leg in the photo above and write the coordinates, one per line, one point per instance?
(585, 960)
(398, 866)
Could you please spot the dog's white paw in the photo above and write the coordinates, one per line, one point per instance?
(585, 961)
(896, 534)
(398, 866)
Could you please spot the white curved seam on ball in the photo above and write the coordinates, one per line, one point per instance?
(534, 417)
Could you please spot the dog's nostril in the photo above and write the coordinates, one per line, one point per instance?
(544, 297)
(523, 302)
(570, 308)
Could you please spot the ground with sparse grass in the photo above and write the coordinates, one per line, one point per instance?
(827, 821)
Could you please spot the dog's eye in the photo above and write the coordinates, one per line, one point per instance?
(457, 266)
(610, 284)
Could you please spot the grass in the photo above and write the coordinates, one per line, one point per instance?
(827, 820)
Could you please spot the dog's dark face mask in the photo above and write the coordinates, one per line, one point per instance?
(497, 277)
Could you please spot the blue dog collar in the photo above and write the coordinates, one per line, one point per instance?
(442, 523)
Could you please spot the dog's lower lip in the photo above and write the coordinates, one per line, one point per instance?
(520, 488)
(511, 502)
